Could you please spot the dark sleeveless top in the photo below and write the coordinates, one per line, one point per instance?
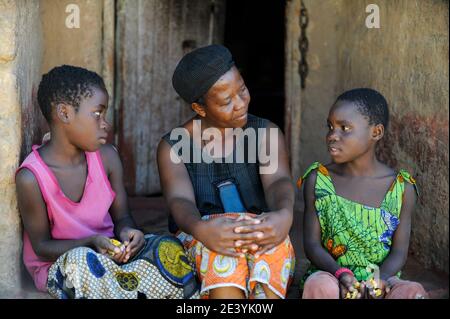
(205, 176)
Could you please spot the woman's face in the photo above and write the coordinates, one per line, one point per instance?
(227, 101)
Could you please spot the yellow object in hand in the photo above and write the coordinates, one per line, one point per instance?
(115, 243)
(376, 290)
(374, 283)
(351, 295)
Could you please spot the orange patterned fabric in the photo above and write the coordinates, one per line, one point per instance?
(274, 268)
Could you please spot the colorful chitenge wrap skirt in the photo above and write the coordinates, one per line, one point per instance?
(275, 268)
(159, 271)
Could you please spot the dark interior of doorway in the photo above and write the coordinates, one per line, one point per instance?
(255, 33)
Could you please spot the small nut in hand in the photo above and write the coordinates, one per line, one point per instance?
(115, 243)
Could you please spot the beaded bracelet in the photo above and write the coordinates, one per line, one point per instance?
(341, 271)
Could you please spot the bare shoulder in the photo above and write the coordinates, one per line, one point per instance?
(163, 148)
(410, 193)
(26, 183)
(167, 158)
(26, 179)
(310, 180)
(309, 193)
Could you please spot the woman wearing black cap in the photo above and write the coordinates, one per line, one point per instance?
(241, 249)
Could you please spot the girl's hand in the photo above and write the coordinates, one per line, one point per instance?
(377, 289)
(273, 225)
(133, 240)
(350, 288)
(103, 245)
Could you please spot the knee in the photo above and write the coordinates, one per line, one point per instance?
(415, 290)
(408, 290)
(226, 293)
(321, 286)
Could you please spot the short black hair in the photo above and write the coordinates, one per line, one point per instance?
(370, 103)
(66, 84)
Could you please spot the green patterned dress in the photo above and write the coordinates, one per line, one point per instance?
(356, 235)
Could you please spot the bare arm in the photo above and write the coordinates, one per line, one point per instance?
(124, 226)
(400, 242)
(119, 208)
(33, 211)
(278, 186)
(279, 195)
(178, 191)
(314, 250)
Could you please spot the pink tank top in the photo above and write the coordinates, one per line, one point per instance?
(68, 219)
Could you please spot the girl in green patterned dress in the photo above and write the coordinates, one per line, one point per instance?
(357, 209)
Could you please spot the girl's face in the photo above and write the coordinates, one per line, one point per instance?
(349, 134)
(89, 128)
(227, 101)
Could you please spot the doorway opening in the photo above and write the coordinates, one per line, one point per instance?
(255, 34)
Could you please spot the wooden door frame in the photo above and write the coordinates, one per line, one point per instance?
(292, 108)
(292, 87)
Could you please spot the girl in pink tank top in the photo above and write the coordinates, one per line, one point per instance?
(79, 238)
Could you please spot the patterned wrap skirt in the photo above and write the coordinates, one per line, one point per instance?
(275, 268)
(160, 270)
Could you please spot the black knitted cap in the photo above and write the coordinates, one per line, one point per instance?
(198, 70)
